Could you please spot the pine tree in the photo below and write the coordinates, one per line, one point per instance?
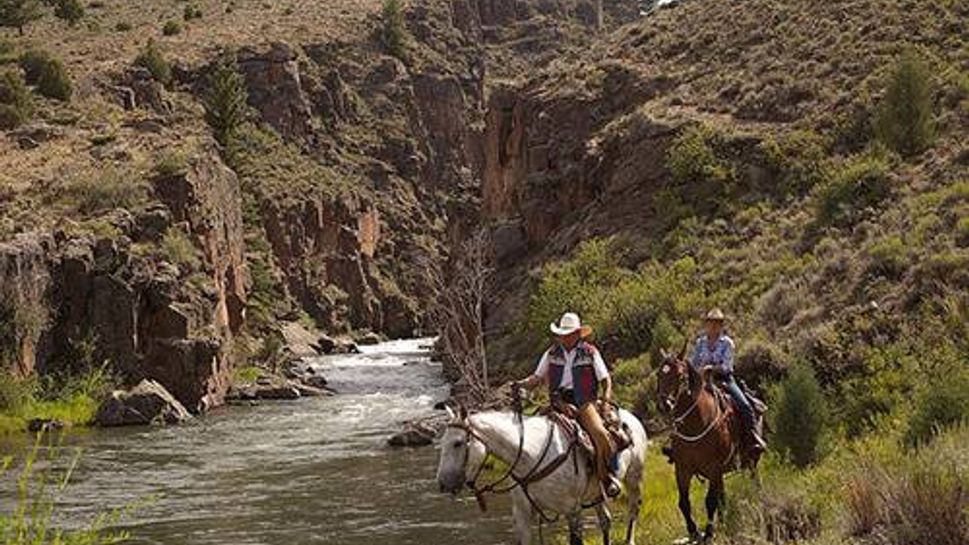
(225, 102)
(19, 13)
(394, 32)
(903, 121)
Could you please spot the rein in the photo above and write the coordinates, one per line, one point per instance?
(678, 420)
(533, 475)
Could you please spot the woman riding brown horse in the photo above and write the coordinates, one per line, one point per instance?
(702, 440)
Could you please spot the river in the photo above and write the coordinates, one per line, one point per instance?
(288, 473)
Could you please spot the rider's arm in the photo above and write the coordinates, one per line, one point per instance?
(537, 378)
(726, 358)
(602, 375)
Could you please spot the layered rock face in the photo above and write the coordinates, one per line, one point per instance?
(100, 299)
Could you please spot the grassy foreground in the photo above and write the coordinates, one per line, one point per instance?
(867, 491)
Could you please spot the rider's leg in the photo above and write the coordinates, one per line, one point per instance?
(591, 422)
(746, 412)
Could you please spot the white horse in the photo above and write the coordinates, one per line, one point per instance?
(548, 476)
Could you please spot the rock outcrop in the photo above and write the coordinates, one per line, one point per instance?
(147, 403)
(137, 311)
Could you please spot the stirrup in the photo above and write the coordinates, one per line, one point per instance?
(612, 488)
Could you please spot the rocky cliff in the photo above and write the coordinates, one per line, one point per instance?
(133, 239)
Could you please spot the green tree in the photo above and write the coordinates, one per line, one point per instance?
(799, 416)
(904, 118)
(945, 402)
(225, 102)
(19, 13)
(394, 33)
(15, 103)
(71, 11)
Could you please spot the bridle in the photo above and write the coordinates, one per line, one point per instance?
(679, 419)
(501, 486)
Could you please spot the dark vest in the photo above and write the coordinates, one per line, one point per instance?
(585, 387)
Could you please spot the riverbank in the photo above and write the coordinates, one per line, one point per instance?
(321, 464)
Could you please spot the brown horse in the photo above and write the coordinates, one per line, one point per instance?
(704, 432)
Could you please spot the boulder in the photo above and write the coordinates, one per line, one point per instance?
(147, 403)
(413, 435)
(368, 339)
(288, 390)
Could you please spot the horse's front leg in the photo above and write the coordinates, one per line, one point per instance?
(683, 478)
(714, 500)
(521, 511)
(605, 521)
(575, 528)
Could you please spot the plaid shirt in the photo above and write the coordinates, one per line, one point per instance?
(718, 354)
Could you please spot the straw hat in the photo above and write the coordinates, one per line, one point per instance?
(568, 324)
(715, 315)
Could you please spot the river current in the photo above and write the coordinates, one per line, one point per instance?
(287, 473)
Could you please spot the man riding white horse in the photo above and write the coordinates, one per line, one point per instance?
(577, 376)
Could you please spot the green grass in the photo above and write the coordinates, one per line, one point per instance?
(76, 410)
(826, 501)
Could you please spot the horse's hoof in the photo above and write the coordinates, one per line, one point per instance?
(708, 534)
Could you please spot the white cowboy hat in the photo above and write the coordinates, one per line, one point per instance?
(568, 324)
(715, 315)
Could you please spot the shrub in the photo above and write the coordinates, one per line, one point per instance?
(888, 257)
(170, 164)
(171, 28)
(123, 26)
(104, 190)
(178, 248)
(944, 403)
(799, 416)
(862, 181)
(190, 12)
(903, 120)
(15, 393)
(797, 160)
(962, 232)
(71, 11)
(19, 13)
(394, 34)
(15, 104)
(55, 82)
(225, 103)
(152, 59)
(33, 62)
(693, 158)
(47, 73)
(921, 499)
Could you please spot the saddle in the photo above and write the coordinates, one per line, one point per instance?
(559, 413)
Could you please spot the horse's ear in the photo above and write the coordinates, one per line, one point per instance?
(682, 353)
(664, 354)
(450, 413)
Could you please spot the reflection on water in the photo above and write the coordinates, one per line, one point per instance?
(288, 473)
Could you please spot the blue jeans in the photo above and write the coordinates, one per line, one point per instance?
(740, 401)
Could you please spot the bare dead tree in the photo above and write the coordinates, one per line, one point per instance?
(458, 312)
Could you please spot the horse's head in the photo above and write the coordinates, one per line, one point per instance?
(674, 373)
(461, 453)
